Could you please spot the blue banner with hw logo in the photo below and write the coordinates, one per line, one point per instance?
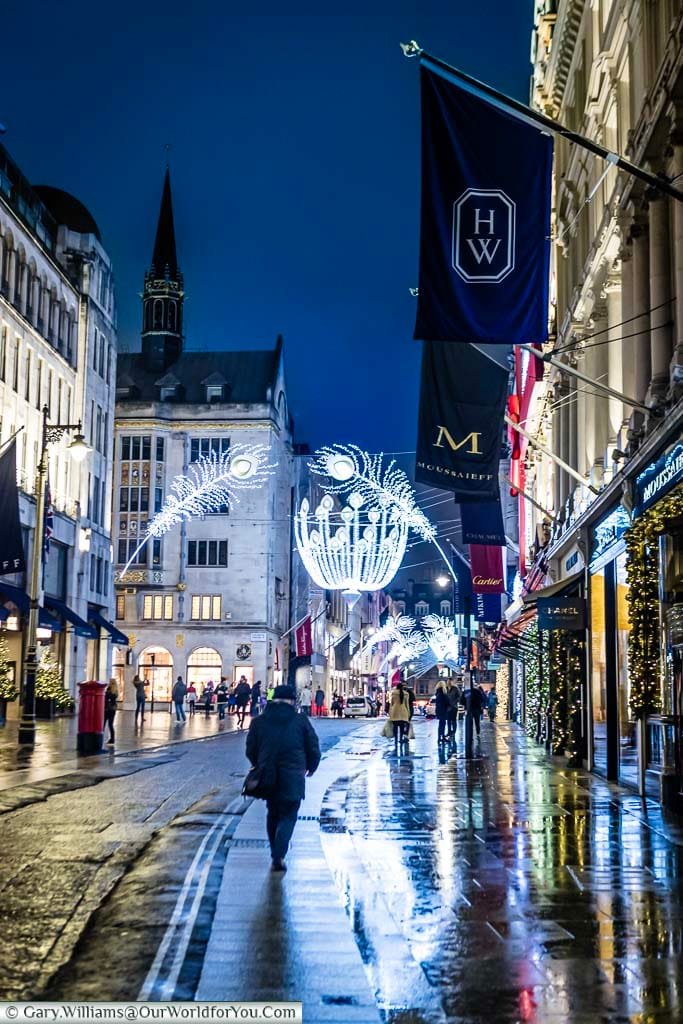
(485, 220)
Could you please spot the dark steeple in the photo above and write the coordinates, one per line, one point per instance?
(164, 260)
(162, 299)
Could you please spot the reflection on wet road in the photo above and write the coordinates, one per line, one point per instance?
(507, 889)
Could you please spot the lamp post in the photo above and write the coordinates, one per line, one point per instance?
(78, 449)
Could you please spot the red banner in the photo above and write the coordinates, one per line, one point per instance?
(303, 641)
(488, 574)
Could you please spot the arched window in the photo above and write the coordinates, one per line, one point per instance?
(155, 666)
(400, 607)
(445, 608)
(204, 665)
(158, 315)
(172, 315)
(421, 608)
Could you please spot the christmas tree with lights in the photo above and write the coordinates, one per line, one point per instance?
(8, 690)
(49, 682)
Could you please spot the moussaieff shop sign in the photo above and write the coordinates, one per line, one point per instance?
(659, 477)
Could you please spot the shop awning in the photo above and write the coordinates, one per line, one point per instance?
(98, 620)
(553, 589)
(21, 600)
(81, 627)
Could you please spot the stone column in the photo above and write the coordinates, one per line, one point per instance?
(556, 445)
(641, 305)
(573, 456)
(660, 291)
(676, 142)
(614, 352)
(595, 366)
(628, 346)
(11, 275)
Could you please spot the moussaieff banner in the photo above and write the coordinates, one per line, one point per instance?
(484, 220)
(460, 421)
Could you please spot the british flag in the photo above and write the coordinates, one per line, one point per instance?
(49, 522)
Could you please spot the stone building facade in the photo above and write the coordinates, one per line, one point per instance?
(612, 70)
(58, 349)
(211, 597)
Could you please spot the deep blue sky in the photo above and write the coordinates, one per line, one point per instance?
(295, 172)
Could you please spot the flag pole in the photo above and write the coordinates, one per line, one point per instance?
(536, 504)
(663, 184)
(571, 372)
(551, 455)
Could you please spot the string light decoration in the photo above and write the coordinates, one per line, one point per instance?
(642, 574)
(362, 554)
(211, 483)
(442, 639)
(346, 470)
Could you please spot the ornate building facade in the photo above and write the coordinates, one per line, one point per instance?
(58, 349)
(613, 71)
(211, 597)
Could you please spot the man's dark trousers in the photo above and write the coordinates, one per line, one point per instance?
(280, 822)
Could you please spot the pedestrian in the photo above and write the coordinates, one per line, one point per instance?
(411, 699)
(285, 745)
(221, 699)
(111, 697)
(399, 715)
(178, 694)
(319, 701)
(493, 704)
(191, 698)
(442, 707)
(207, 697)
(270, 692)
(453, 694)
(471, 700)
(242, 698)
(256, 698)
(140, 698)
(232, 699)
(305, 700)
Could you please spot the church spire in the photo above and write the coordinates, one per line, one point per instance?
(163, 295)
(164, 259)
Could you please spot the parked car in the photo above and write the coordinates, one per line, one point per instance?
(358, 707)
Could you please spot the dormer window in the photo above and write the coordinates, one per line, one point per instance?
(214, 392)
(168, 392)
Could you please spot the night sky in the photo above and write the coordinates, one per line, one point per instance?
(295, 172)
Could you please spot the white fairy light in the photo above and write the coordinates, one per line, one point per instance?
(362, 554)
(442, 639)
(211, 483)
(351, 470)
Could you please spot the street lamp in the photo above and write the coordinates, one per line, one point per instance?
(50, 434)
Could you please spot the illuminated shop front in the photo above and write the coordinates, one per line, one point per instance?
(655, 576)
(614, 751)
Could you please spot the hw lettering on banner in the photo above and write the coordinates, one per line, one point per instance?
(472, 438)
(483, 236)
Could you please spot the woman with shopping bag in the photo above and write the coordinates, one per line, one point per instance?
(399, 717)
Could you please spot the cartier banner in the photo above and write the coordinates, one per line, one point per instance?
(485, 219)
(482, 523)
(488, 575)
(460, 423)
(561, 613)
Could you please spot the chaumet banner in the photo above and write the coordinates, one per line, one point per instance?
(482, 523)
(460, 421)
(484, 219)
(561, 613)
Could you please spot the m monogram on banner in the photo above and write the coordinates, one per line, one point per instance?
(484, 220)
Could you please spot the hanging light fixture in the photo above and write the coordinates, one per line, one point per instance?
(363, 553)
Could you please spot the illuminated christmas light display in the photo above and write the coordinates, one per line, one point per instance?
(212, 482)
(363, 553)
(442, 639)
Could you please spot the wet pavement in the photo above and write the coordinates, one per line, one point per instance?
(505, 889)
(55, 753)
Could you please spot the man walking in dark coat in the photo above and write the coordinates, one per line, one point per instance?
(281, 739)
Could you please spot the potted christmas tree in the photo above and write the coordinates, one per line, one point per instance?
(8, 689)
(51, 696)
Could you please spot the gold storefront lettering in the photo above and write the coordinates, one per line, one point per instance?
(472, 437)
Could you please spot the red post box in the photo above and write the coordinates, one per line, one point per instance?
(91, 717)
